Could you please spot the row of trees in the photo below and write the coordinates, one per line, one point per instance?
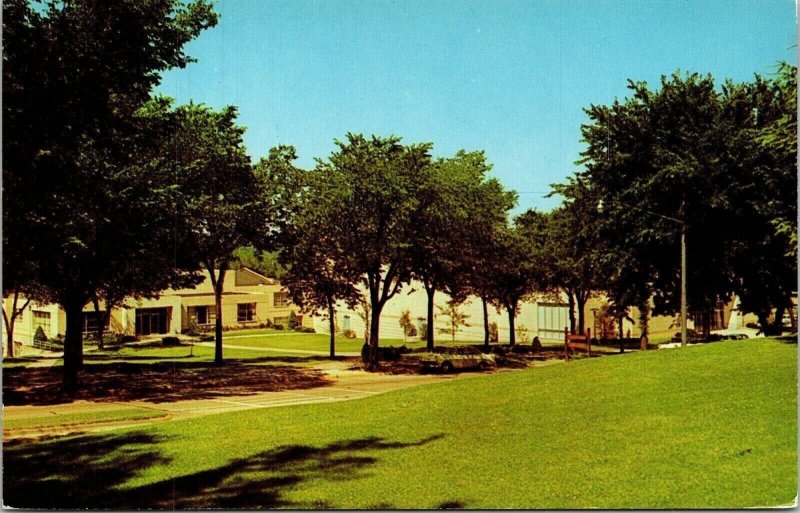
(717, 161)
(110, 192)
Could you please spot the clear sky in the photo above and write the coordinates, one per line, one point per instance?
(507, 77)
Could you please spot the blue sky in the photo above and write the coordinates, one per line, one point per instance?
(507, 77)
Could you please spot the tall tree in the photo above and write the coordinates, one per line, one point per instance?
(222, 203)
(368, 197)
(76, 77)
(573, 248)
(518, 266)
(457, 204)
(314, 274)
(708, 161)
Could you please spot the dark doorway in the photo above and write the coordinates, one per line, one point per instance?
(152, 320)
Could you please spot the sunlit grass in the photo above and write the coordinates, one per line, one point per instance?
(711, 426)
(74, 419)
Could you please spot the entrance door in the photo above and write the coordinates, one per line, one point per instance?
(152, 320)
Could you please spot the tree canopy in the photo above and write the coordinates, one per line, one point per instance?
(77, 78)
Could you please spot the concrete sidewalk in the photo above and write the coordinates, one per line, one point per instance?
(347, 385)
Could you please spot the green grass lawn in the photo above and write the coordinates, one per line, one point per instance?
(74, 419)
(712, 426)
(319, 342)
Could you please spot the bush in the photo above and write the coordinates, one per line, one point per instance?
(303, 329)
(127, 338)
(412, 331)
(494, 333)
(391, 353)
(39, 336)
(293, 320)
(423, 331)
(207, 338)
(171, 341)
(278, 327)
(349, 334)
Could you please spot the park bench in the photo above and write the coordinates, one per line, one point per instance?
(577, 342)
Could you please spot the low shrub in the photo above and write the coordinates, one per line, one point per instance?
(39, 336)
(207, 337)
(391, 353)
(278, 327)
(303, 329)
(349, 334)
(127, 338)
(293, 324)
(171, 341)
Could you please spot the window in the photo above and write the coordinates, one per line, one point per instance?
(91, 320)
(246, 312)
(202, 315)
(41, 319)
(281, 299)
(553, 318)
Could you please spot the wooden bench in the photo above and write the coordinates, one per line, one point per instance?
(578, 342)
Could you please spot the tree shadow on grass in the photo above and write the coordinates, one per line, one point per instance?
(44, 478)
(75, 472)
(157, 382)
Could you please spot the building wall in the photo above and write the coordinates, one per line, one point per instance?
(414, 299)
(239, 286)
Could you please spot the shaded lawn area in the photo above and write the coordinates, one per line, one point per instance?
(160, 374)
(711, 426)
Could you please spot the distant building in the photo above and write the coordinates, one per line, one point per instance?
(545, 316)
(249, 300)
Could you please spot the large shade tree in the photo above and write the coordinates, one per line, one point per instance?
(713, 161)
(459, 205)
(314, 271)
(76, 79)
(368, 195)
(519, 266)
(222, 204)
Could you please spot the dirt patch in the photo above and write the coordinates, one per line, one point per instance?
(155, 382)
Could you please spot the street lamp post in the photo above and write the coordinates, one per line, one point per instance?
(684, 293)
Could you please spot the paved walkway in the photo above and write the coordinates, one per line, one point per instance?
(347, 385)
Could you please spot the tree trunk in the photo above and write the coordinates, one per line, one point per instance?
(571, 303)
(332, 326)
(621, 339)
(9, 331)
(73, 345)
(100, 320)
(763, 321)
(777, 323)
(512, 337)
(644, 322)
(485, 323)
(429, 331)
(218, 324)
(375, 319)
(15, 312)
(581, 304)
